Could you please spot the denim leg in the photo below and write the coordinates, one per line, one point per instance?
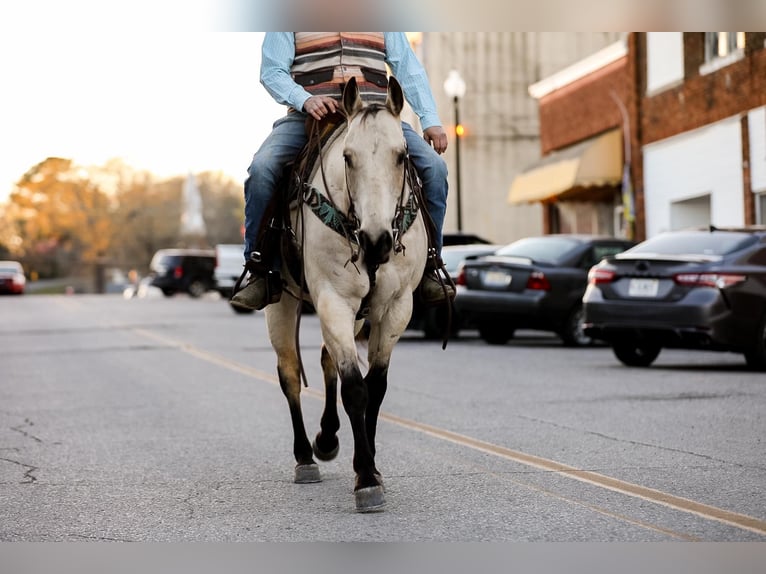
(287, 138)
(432, 170)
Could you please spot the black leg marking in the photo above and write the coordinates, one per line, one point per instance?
(301, 445)
(326, 444)
(377, 383)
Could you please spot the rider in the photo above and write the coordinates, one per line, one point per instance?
(307, 71)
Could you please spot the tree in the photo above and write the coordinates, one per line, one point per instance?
(62, 218)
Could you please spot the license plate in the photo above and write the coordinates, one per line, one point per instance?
(643, 287)
(496, 279)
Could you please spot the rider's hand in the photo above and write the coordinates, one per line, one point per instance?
(320, 106)
(437, 137)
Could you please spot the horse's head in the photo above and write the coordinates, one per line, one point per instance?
(375, 155)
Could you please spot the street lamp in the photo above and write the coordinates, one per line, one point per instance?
(454, 87)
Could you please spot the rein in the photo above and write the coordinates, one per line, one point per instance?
(348, 224)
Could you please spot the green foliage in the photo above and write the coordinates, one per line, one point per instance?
(62, 220)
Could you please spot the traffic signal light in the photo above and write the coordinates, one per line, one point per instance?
(459, 130)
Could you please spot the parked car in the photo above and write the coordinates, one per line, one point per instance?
(183, 271)
(533, 283)
(229, 263)
(461, 238)
(433, 320)
(693, 289)
(12, 279)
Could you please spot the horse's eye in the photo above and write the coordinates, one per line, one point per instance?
(347, 159)
(400, 158)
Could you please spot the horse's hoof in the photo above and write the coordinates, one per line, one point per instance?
(380, 480)
(370, 499)
(307, 473)
(325, 456)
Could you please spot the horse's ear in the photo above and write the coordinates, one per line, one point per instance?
(395, 99)
(352, 103)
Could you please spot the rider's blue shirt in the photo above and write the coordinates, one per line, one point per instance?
(278, 52)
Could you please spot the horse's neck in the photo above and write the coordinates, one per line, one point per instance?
(330, 177)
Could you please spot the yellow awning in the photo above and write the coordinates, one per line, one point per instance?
(595, 162)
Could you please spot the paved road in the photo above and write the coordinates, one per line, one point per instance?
(161, 420)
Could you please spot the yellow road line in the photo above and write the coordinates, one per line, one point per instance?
(593, 478)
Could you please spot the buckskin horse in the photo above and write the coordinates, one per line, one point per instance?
(364, 247)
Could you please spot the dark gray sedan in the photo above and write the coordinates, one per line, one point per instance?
(533, 283)
(693, 289)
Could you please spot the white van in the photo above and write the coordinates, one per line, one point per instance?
(229, 264)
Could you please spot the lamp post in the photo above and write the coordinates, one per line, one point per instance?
(454, 87)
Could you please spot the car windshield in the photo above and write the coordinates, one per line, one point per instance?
(541, 249)
(694, 243)
(452, 258)
(164, 261)
(8, 270)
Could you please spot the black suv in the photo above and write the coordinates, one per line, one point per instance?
(183, 270)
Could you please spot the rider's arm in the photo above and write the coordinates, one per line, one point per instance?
(412, 77)
(277, 55)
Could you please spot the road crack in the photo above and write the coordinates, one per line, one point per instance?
(640, 443)
(29, 476)
(20, 429)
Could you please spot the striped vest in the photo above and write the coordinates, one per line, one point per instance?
(325, 61)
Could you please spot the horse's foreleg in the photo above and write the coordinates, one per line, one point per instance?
(306, 469)
(326, 443)
(339, 338)
(281, 324)
(368, 489)
(377, 383)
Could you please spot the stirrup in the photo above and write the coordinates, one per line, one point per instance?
(255, 266)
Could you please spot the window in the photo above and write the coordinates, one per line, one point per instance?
(694, 212)
(722, 49)
(665, 60)
(760, 208)
(598, 252)
(695, 242)
(721, 44)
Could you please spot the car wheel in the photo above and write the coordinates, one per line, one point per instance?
(573, 334)
(635, 354)
(168, 292)
(197, 288)
(756, 357)
(494, 333)
(435, 323)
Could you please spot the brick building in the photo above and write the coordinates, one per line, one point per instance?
(588, 128)
(500, 117)
(658, 131)
(703, 129)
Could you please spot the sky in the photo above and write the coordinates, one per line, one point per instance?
(168, 103)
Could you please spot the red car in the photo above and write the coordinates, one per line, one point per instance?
(12, 278)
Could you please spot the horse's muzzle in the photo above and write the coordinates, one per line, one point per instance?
(376, 252)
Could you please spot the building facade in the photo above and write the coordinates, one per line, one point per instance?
(588, 139)
(703, 129)
(690, 110)
(500, 118)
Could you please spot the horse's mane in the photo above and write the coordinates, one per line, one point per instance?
(371, 110)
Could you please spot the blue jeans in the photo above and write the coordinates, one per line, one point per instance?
(284, 143)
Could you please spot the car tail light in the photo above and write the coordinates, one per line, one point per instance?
(460, 275)
(538, 281)
(178, 272)
(598, 275)
(719, 280)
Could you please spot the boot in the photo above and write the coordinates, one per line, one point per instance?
(263, 286)
(433, 289)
